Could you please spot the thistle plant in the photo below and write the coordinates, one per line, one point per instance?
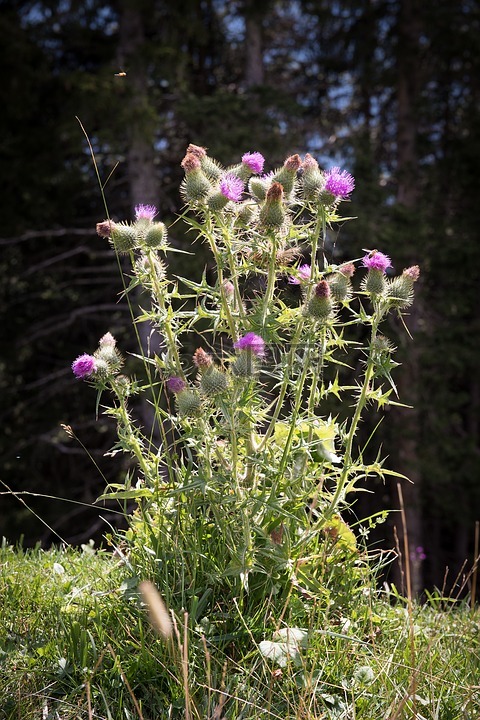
(241, 497)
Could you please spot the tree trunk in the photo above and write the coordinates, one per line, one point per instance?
(254, 13)
(254, 74)
(143, 182)
(406, 422)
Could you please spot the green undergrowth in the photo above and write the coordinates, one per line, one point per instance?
(76, 642)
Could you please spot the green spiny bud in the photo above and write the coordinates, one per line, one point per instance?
(287, 174)
(245, 213)
(313, 180)
(258, 187)
(213, 381)
(212, 169)
(155, 235)
(217, 201)
(110, 355)
(340, 282)
(195, 186)
(375, 282)
(124, 237)
(400, 289)
(102, 368)
(149, 267)
(188, 402)
(320, 306)
(245, 364)
(272, 213)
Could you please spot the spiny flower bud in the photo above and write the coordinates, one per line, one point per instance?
(258, 186)
(287, 174)
(245, 365)
(217, 201)
(148, 268)
(175, 384)
(104, 228)
(108, 353)
(195, 185)
(202, 359)
(231, 188)
(124, 237)
(245, 214)
(382, 345)
(209, 166)
(251, 347)
(103, 369)
(213, 381)
(320, 306)
(188, 402)
(123, 385)
(155, 235)
(400, 289)
(340, 282)
(272, 213)
(107, 340)
(228, 289)
(199, 152)
(252, 164)
(412, 273)
(313, 180)
(377, 263)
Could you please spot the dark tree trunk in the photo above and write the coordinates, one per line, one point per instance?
(143, 182)
(406, 422)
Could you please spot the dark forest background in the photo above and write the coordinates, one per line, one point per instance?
(388, 89)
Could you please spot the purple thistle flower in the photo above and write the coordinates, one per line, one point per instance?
(376, 261)
(84, 366)
(231, 187)
(254, 161)
(252, 342)
(145, 212)
(304, 272)
(339, 182)
(322, 289)
(176, 384)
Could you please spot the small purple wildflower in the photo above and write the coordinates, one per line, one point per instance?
(304, 274)
(417, 554)
(145, 212)
(252, 342)
(84, 366)
(231, 187)
(254, 161)
(339, 182)
(176, 384)
(377, 261)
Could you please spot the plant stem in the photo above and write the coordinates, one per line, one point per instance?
(362, 401)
